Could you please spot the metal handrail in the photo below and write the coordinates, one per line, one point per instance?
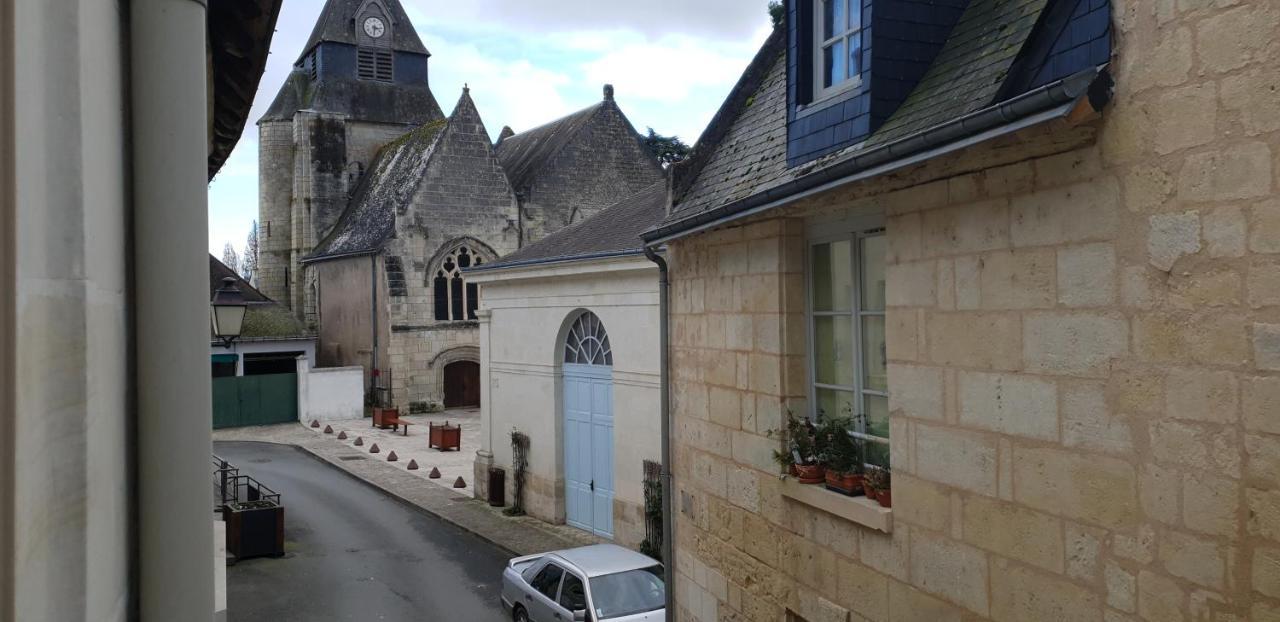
(228, 483)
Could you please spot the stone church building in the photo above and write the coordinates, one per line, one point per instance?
(372, 202)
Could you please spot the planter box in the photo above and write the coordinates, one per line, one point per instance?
(254, 529)
(445, 437)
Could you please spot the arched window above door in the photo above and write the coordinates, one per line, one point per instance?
(587, 342)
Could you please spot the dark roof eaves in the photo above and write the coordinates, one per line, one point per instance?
(543, 261)
(1057, 97)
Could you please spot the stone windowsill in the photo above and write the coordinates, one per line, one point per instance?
(854, 509)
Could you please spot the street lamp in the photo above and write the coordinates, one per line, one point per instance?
(227, 312)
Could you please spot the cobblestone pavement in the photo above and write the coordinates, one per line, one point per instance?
(516, 535)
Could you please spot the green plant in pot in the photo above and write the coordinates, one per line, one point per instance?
(842, 453)
(800, 455)
(880, 481)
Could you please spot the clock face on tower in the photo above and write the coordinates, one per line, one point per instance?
(374, 27)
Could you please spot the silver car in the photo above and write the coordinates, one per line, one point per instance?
(598, 583)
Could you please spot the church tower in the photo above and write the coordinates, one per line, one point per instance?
(360, 83)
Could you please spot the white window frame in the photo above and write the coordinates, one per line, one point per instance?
(820, 43)
(866, 228)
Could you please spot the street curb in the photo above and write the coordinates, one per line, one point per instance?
(408, 502)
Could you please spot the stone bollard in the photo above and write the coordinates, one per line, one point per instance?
(435, 473)
(391, 457)
(460, 483)
(413, 465)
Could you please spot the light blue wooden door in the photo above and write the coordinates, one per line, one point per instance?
(588, 427)
(588, 434)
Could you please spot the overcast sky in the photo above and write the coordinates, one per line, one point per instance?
(528, 62)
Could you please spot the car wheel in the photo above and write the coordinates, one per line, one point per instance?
(518, 614)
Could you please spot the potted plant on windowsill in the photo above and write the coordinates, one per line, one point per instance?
(842, 454)
(880, 486)
(800, 454)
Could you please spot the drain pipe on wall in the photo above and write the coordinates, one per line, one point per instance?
(664, 382)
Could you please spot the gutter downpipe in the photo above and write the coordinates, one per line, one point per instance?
(664, 382)
(169, 138)
(375, 374)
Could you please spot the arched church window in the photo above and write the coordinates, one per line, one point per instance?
(455, 299)
(587, 342)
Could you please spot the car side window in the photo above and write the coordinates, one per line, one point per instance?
(548, 580)
(572, 595)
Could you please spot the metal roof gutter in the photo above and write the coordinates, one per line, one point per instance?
(1055, 100)
(551, 261)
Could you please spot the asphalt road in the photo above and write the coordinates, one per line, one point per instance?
(353, 553)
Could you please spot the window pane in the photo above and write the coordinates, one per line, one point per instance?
(855, 14)
(873, 252)
(877, 425)
(832, 403)
(855, 55)
(833, 64)
(873, 354)
(832, 277)
(548, 581)
(833, 361)
(833, 18)
(572, 596)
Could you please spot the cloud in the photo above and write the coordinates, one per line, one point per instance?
(730, 20)
(507, 92)
(667, 69)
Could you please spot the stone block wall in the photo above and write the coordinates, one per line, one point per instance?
(275, 192)
(604, 165)
(464, 199)
(1084, 344)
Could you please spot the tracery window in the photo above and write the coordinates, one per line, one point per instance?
(455, 299)
(587, 342)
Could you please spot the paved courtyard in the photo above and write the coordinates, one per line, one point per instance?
(452, 464)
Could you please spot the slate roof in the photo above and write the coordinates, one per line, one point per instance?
(265, 318)
(387, 189)
(367, 100)
(336, 24)
(523, 155)
(614, 230)
(969, 70)
(743, 153)
(744, 148)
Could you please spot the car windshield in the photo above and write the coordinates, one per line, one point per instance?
(628, 593)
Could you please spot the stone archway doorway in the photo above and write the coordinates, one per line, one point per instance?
(462, 384)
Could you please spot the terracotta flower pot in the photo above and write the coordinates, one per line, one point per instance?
(868, 490)
(885, 497)
(811, 473)
(844, 483)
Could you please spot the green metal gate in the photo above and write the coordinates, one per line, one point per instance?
(241, 401)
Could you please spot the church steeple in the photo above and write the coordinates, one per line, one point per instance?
(370, 23)
(364, 60)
